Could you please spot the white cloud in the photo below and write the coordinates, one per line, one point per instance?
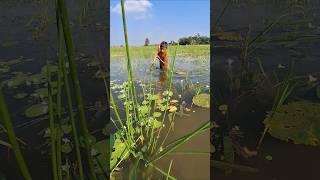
(139, 8)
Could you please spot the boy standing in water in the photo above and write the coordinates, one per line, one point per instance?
(163, 55)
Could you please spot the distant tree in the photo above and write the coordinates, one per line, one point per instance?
(194, 40)
(146, 42)
(184, 41)
(173, 43)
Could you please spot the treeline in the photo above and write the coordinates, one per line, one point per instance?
(191, 40)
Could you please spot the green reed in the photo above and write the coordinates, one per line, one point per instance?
(284, 90)
(63, 13)
(59, 105)
(13, 139)
(52, 127)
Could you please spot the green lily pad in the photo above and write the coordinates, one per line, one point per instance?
(298, 122)
(43, 92)
(66, 148)
(67, 128)
(17, 80)
(36, 110)
(20, 95)
(269, 158)
(202, 100)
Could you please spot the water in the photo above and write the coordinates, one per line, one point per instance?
(197, 69)
(248, 107)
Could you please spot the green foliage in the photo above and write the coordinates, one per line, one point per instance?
(147, 42)
(36, 110)
(202, 100)
(192, 40)
(298, 122)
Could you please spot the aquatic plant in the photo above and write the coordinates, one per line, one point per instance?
(62, 14)
(297, 122)
(12, 138)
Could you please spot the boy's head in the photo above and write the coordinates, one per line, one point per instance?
(163, 46)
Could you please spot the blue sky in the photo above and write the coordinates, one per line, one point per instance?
(159, 20)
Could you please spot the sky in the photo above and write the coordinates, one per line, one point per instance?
(159, 20)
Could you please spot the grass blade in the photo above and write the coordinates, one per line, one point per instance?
(75, 80)
(52, 127)
(175, 144)
(12, 138)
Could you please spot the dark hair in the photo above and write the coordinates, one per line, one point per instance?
(163, 44)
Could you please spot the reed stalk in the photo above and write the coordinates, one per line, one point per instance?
(52, 127)
(76, 84)
(13, 139)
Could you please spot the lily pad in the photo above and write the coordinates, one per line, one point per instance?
(66, 148)
(202, 100)
(20, 95)
(36, 110)
(17, 80)
(298, 122)
(43, 92)
(67, 128)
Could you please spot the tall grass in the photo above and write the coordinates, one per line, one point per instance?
(63, 14)
(12, 138)
(53, 136)
(284, 90)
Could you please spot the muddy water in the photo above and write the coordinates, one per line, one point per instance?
(289, 161)
(185, 166)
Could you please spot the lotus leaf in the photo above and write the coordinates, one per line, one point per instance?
(298, 122)
(36, 110)
(202, 100)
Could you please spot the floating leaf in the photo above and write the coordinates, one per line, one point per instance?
(36, 110)
(20, 95)
(269, 158)
(298, 122)
(66, 148)
(43, 92)
(223, 108)
(202, 100)
(67, 128)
